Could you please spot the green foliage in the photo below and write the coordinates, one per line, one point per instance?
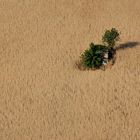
(93, 57)
(97, 55)
(110, 37)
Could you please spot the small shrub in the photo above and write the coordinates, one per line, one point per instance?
(110, 37)
(93, 57)
(100, 55)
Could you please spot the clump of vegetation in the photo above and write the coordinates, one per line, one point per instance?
(93, 57)
(98, 55)
(110, 37)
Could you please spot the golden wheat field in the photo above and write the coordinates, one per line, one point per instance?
(43, 95)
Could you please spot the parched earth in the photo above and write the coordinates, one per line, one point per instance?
(43, 96)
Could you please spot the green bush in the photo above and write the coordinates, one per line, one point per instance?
(93, 57)
(98, 55)
(110, 37)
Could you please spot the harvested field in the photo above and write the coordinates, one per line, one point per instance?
(43, 96)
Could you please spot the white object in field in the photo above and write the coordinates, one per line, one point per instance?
(104, 63)
(106, 55)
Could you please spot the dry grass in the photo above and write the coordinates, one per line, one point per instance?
(42, 95)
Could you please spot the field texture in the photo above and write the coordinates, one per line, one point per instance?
(43, 96)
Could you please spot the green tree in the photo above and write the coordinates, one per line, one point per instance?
(93, 57)
(110, 37)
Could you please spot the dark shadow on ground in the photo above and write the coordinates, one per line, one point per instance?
(127, 45)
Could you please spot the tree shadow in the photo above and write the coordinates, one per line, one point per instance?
(127, 45)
